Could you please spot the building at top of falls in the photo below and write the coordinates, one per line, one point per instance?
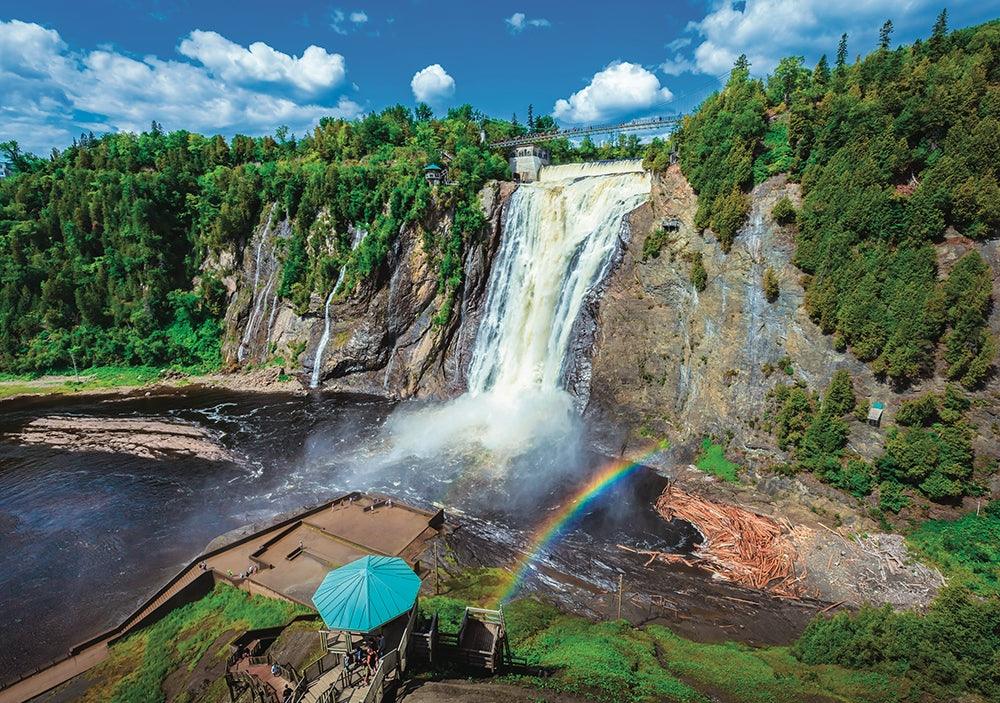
(527, 160)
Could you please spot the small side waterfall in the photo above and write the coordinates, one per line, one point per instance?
(264, 267)
(357, 236)
(560, 237)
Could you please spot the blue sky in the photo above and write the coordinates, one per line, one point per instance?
(249, 67)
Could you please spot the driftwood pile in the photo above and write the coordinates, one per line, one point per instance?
(739, 546)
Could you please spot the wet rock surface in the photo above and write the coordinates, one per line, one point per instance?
(676, 362)
(384, 337)
(149, 438)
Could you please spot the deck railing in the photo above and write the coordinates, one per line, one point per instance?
(386, 665)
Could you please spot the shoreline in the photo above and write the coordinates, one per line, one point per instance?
(122, 381)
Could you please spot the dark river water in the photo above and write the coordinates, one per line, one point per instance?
(88, 535)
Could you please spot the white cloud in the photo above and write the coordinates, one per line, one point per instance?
(767, 30)
(432, 84)
(51, 93)
(518, 22)
(339, 18)
(314, 71)
(678, 65)
(619, 89)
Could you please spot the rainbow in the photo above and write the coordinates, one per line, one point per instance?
(558, 523)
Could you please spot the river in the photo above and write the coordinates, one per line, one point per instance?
(87, 535)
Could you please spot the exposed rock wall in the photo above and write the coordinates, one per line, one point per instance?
(670, 361)
(258, 323)
(651, 356)
(383, 336)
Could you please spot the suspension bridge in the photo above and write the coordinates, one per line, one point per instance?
(633, 126)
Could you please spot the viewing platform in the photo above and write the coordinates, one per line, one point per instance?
(286, 560)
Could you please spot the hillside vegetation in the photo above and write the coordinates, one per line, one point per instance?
(104, 242)
(891, 152)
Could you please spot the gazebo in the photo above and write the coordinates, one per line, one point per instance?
(434, 174)
(371, 594)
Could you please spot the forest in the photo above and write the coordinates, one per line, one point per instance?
(105, 242)
(893, 152)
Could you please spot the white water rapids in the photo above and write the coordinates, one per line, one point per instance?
(559, 239)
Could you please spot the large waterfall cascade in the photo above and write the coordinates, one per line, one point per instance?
(560, 235)
(357, 236)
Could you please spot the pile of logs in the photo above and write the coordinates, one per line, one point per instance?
(739, 546)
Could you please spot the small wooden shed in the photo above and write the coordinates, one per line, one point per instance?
(875, 413)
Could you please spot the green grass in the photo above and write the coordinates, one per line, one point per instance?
(95, 378)
(967, 550)
(479, 587)
(136, 668)
(614, 661)
(768, 675)
(712, 460)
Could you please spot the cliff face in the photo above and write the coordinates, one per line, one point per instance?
(670, 360)
(383, 338)
(650, 357)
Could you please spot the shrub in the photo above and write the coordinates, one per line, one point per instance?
(937, 459)
(918, 412)
(728, 213)
(891, 497)
(770, 284)
(699, 276)
(653, 244)
(783, 211)
(950, 650)
(840, 399)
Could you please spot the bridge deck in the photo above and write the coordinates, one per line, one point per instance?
(634, 126)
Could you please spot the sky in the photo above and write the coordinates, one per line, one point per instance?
(249, 67)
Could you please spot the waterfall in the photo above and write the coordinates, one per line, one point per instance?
(357, 236)
(264, 264)
(248, 332)
(560, 235)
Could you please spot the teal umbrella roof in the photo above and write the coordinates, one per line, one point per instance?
(366, 593)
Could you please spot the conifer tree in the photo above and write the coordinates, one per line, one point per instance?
(842, 53)
(939, 33)
(885, 35)
(821, 74)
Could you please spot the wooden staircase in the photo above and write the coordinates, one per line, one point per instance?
(176, 588)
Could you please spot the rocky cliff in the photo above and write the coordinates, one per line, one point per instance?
(673, 361)
(670, 361)
(383, 336)
(652, 357)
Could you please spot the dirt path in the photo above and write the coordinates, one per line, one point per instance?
(465, 691)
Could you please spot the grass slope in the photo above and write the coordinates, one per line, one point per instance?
(712, 460)
(138, 665)
(95, 378)
(967, 550)
(614, 661)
